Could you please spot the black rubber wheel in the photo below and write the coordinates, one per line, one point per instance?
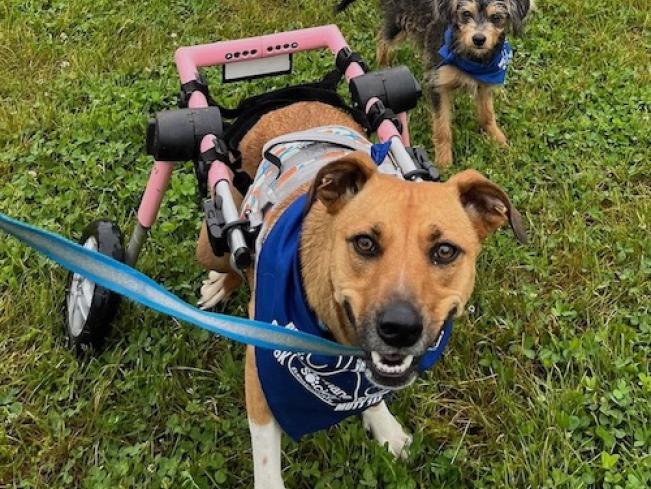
(89, 308)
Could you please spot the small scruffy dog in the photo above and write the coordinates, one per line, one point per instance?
(464, 45)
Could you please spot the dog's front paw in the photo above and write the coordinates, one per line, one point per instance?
(498, 136)
(387, 431)
(398, 442)
(218, 287)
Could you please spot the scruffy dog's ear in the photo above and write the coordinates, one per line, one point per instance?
(487, 204)
(446, 9)
(338, 182)
(518, 10)
(343, 5)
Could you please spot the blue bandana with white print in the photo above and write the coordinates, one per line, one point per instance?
(491, 73)
(306, 392)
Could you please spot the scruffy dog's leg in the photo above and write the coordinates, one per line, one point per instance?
(486, 114)
(386, 429)
(441, 99)
(383, 52)
(387, 38)
(265, 431)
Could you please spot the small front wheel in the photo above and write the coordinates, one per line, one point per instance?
(89, 308)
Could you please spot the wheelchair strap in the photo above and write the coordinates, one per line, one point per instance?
(249, 112)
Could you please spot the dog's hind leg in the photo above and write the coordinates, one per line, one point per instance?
(222, 281)
(386, 429)
(265, 431)
(486, 114)
(217, 288)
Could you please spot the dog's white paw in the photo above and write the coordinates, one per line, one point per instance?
(386, 430)
(215, 289)
(396, 440)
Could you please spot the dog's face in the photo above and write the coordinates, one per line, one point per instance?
(480, 25)
(403, 256)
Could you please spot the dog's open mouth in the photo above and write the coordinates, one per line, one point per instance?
(391, 364)
(391, 370)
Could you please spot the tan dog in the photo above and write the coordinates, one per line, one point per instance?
(384, 263)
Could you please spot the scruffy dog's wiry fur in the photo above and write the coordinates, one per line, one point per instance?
(478, 29)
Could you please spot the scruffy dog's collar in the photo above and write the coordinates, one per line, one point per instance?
(492, 73)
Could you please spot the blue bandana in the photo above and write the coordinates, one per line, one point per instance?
(379, 152)
(305, 392)
(492, 73)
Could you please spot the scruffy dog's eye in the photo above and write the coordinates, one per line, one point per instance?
(496, 18)
(466, 15)
(365, 245)
(444, 253)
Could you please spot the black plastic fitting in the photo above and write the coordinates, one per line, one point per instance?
(242, 258)
(424, 167)
(345, 57)
(378, 113)
(215, 223)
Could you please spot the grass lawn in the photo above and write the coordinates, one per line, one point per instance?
(548, 385)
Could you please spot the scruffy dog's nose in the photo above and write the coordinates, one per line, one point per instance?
(400, 325)
(479, 40)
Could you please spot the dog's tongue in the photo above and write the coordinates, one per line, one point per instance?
(392, 358)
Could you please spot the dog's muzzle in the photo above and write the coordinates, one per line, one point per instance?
(394, 345)
(400, 325)
(397, 345)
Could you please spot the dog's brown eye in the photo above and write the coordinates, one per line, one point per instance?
(496, 19)
(444, 253)
(365, 245)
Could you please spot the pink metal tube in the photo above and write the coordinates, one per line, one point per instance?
(153, 196)
(386, 130)
(189, 59)
(218, 170)
(197, 100)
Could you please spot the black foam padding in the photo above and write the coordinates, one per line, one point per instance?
(175, 135)
(395, 87)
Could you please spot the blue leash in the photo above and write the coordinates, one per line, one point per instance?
(130, 283)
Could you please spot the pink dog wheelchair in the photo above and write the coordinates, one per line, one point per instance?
(202, 131)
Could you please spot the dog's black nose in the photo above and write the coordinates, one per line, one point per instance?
(400, 325)
(479, 40)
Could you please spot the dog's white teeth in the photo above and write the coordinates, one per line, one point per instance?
(399, 368)
(375, 356)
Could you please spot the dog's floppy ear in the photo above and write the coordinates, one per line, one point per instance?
(487, 204)
(518, 10)
(338, 182)
(343, 5)
(446, 9)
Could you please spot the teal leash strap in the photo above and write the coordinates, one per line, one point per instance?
(134, 285)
